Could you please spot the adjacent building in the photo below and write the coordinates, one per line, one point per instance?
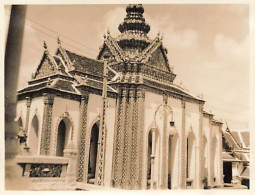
(236, 158)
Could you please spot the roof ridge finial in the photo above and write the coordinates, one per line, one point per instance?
(108, 31)
(58, 40)
(45, 45)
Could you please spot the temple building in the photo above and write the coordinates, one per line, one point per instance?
(236, 158)
(118, 121)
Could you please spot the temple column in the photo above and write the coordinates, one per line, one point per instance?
(127, 141)
(46, 125)
(82, 165)
(119, 137)
(210, 159)
(28, 103)
(199, 150)
(152, 158)
(182, 170)
(164, 155)
(141, 165)
(220, 158)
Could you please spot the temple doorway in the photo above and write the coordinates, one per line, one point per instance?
(93, 153)
(33, 136)
(63, 136)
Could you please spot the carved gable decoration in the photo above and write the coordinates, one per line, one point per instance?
(45, 68)
(158, 60)
(106, 51)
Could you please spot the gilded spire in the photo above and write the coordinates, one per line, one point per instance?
(134, 20)
(134, 29)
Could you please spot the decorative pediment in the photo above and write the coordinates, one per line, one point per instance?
(155, 55)
(47, 66)
(111, 47)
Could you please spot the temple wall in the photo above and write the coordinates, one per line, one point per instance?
(192, 126)
(94, 110)
(36, 108)
(175, 104)
(60, 106)
(110, 121)
(218, 164)
(206, 151)
(21, 111)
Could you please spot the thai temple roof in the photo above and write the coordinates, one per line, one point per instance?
(132, 48)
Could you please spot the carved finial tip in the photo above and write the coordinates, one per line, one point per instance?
(45, 45)
(59, 42)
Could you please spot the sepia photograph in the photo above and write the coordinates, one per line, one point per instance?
(127, 97)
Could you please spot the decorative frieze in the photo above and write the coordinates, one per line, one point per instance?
(46, 125)
(45, 170)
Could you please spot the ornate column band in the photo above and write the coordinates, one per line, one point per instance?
(46, 125)
(81, 173)
(142, 176)
(134, 141)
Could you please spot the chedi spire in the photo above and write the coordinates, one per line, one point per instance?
(134, 29)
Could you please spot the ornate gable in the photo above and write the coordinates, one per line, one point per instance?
(158, 60)
(47, 66)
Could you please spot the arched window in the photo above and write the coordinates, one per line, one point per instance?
(190, 170)
(152, 158)
(205, 159)
(93, 153)
(214, 154)
(63, 136)
(20, 123)
(172, 151)
(149, 160)
(205, 163)
(33, 136)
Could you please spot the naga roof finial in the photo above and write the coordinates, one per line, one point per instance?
(45, 45)
(59, 42)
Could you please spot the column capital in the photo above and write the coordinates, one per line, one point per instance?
(124, 92)
(183, 103)
(48, 98)
(132, 92)
(28, 101)
(165, 98)
(140, 93)
(85, 97)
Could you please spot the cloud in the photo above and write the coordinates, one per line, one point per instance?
(112, 19)
(178, 39)
(31, 54)
(227, 48)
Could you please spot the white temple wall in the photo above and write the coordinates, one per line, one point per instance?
(110, 122)
(192, 125)
(60, 106)
(36, 108)
(218, 169)
(93, 115)
(21, 111)
(206, 149)
(152, 101)
(176, 105)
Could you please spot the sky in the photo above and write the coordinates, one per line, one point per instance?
(208, 46)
